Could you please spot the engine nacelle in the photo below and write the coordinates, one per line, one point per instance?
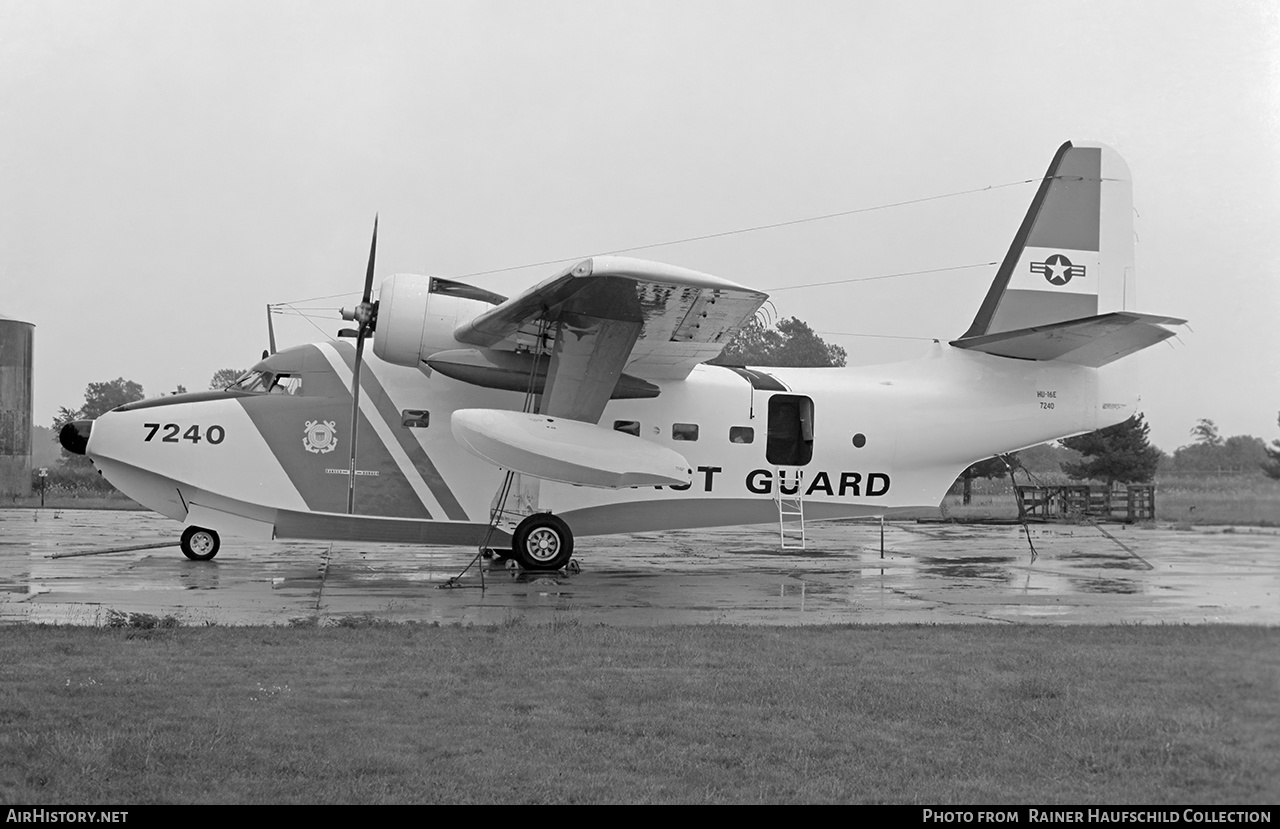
(418, 314)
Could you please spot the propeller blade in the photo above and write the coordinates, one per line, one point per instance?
(373, 250)
(366, 314)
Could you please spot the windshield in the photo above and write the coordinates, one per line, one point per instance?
(268, 382)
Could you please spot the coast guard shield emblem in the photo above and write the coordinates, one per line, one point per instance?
(320, 437)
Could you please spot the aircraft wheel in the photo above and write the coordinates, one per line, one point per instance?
(542, 542)
(199, 544)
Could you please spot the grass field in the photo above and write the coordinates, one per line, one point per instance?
(77, 501)
(370, 713)
(1222, 499)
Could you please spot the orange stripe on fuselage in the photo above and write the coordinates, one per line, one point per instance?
(320, 469)
(377, 395)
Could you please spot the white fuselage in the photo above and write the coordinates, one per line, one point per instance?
(883, 437)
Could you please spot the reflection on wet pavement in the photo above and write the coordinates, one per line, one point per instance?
(929, 573)
(968, 567)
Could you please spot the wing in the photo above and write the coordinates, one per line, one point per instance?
(611, 314)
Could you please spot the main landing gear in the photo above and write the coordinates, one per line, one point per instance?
(199, 544)
(542, 542)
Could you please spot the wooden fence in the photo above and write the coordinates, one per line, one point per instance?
(1136, 502)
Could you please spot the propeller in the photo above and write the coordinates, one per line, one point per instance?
(366, 314)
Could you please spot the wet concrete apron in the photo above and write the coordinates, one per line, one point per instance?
(930, 573)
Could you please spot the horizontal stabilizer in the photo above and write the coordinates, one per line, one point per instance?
(1091, 341)
(567, 451)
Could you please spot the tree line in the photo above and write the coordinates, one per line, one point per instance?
(1123, 454)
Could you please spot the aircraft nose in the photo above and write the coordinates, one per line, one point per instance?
(74, 436)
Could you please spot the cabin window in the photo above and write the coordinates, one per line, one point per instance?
(790, 430)
(684, 431)
(742, 434)
(415, 418)
(631, 427)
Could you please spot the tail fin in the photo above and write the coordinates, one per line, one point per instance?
(1071, 261)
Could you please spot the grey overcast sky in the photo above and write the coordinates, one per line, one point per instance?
(169, 168)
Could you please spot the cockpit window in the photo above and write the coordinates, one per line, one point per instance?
(236, 383)
(268, 382)
(258, 381)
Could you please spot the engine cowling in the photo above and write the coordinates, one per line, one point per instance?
(417, 316)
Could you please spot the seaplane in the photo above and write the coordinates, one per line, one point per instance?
(586, 405)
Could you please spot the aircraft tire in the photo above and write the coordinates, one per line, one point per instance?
(542, 542)
(199, 544)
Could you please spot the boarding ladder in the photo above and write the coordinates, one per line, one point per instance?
(790, 507)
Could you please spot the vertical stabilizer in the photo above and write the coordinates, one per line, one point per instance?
(1072, 257)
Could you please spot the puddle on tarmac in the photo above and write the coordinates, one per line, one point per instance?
(1115, 561)
(992, 568)
(1101, 585)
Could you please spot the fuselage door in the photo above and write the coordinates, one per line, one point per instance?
(790, 430)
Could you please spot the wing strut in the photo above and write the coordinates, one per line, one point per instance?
(499, 512)
(586, 362)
